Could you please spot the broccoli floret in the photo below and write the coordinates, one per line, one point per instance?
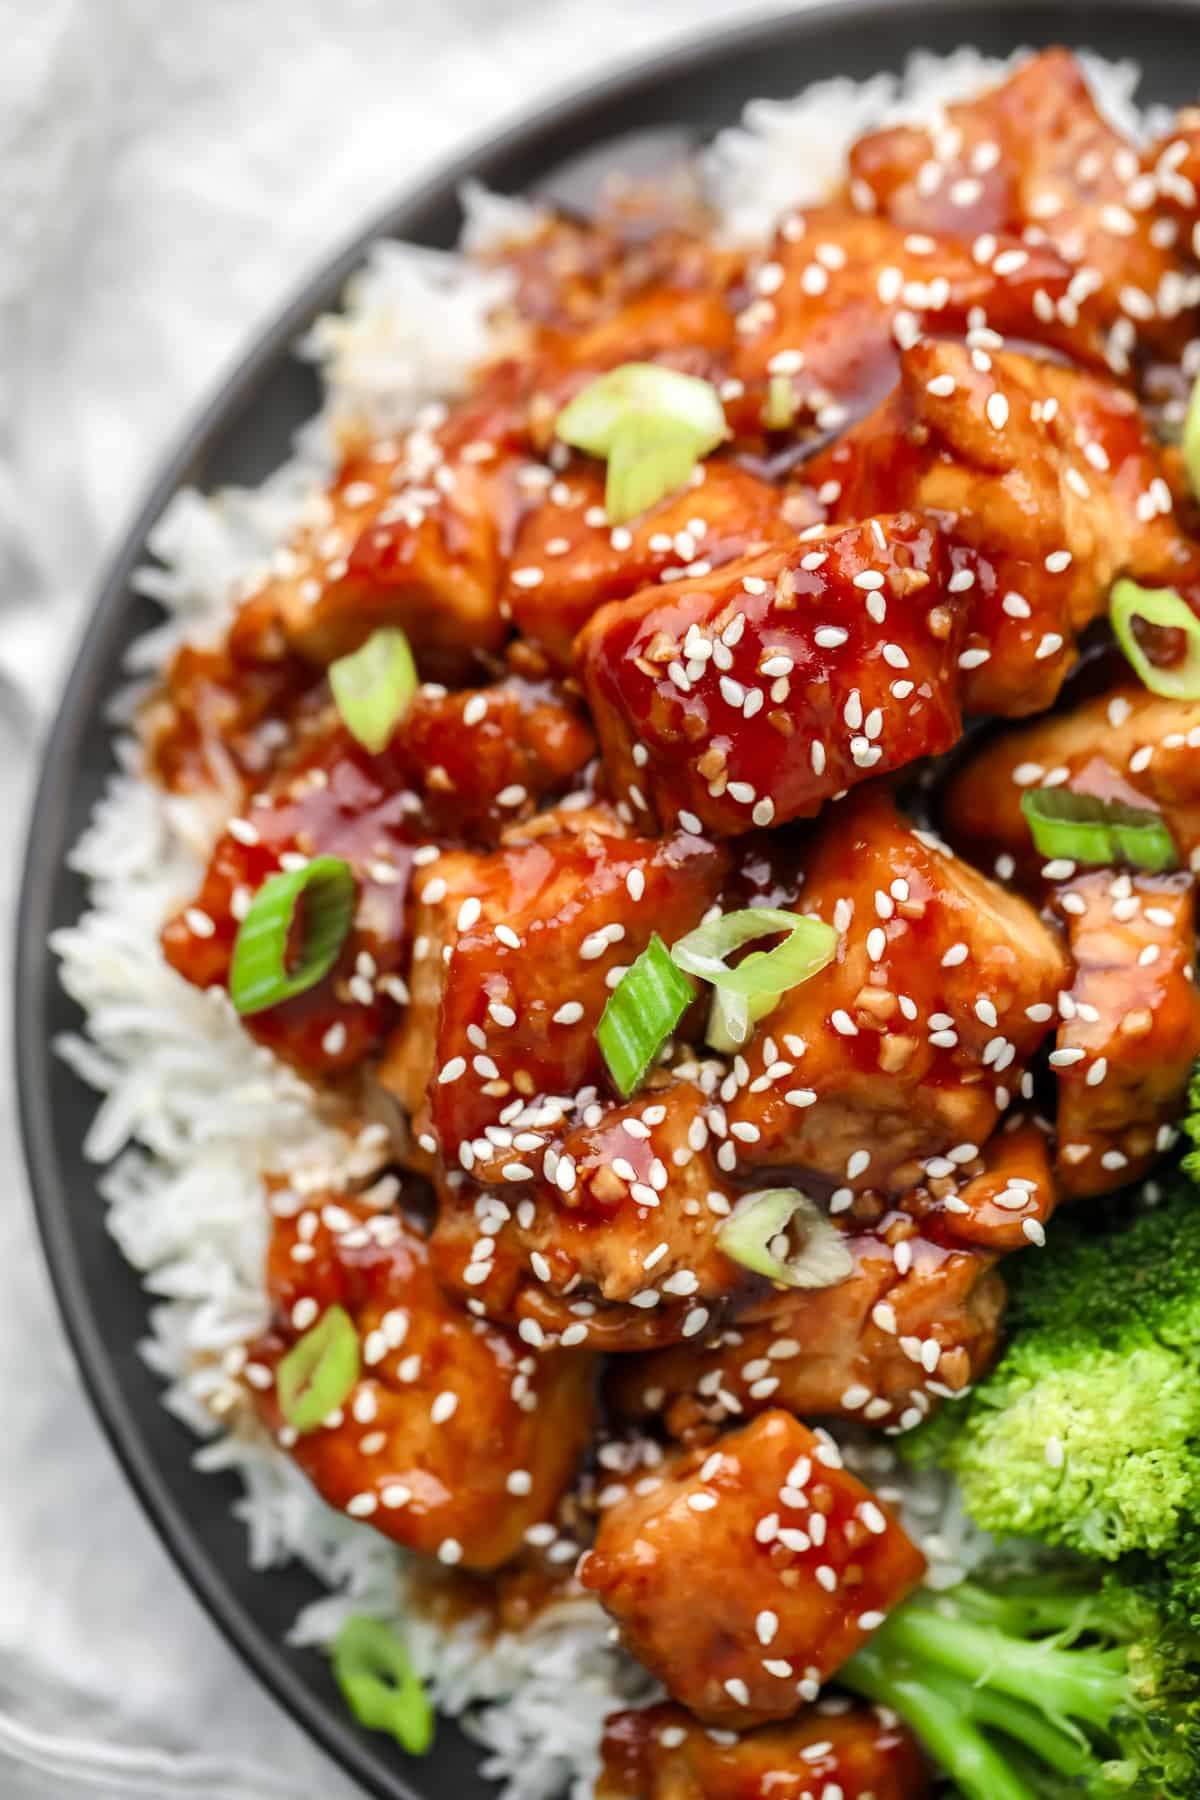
(1063, 1684)
(1087, 1432)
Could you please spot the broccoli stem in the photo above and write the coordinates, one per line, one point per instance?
(1036, 1612)
(1085, 1686)
(1059, 1750)
(936, 1715)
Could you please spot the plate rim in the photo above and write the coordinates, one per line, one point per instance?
(570, 107)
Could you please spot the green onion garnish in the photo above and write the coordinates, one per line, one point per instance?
(650, 458)
(779, 413)
(642, 1012)
(382, 1690)
(323, 890)
(1164, 607)
(374, 687)
(1088, 830)
(651, 424)
(319, 1371)
(1191, 439)
(755, 1235)
(754, 987)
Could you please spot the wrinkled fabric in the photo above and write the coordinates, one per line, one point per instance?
(169, 172)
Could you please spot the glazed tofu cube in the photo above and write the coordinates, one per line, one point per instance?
(661, 1753)
(1048, 488)
(604, 1230)
(1001, 1200)
(913, 1322)
(411, 536)
(468, 763)
(456, 1438)
(528, 975)
(681, 319)
(752, 696)
(839, 295)
(1126, 744)
(1130, 1030)
(913, 1040)
(446, 883)
(752, 1572)
(568, 561)
(1035, 157)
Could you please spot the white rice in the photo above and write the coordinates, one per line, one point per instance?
(193, 1113)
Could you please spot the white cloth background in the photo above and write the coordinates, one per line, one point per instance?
(169, 170)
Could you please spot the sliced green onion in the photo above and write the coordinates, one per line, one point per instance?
(756, 1236)
(779, 413)
(319, 1371)
(323, 890)
(1191, 439)
(380, 1685)
(593, 418)
(650, 458)
(754, 987)
(1165, 607)
(642, 1012)
(373, 688)
(1089, 830)
(651, 424)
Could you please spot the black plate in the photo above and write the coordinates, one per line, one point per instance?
(242, 435)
